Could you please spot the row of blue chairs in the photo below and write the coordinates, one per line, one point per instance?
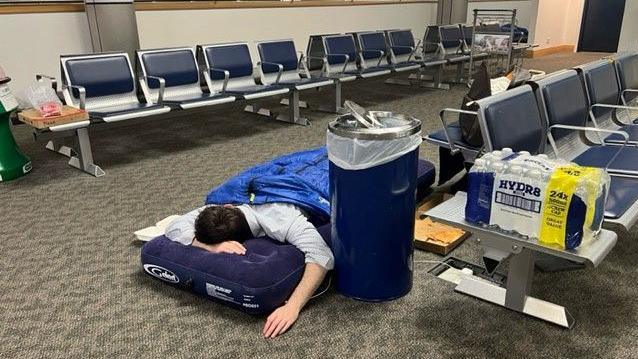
(111, 89)
(584, 115)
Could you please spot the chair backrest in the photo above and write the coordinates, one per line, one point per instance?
(467, 33)
(563, 101)
(400, 43)
(627, 72)
(371, 43)
(601, 85)
(315, 51)
(177, 66)
(451, 37)
(431, 40)
(512, 119)
(232, 57)
(340, 45)
(279, 52)
(107, 78)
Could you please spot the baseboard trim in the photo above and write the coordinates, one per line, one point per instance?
(551, 50)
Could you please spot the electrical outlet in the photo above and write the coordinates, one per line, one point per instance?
(547, 41)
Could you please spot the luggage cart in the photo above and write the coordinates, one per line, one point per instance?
(503, 45)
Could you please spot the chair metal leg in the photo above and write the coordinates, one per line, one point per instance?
(54, 146)
(293, 116)
(336, 105)
(516, 295)
(286, 102)
(436, 80)
(83, 160)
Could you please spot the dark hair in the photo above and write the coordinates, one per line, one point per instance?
(217, 224)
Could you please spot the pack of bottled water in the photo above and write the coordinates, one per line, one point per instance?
(554, 201)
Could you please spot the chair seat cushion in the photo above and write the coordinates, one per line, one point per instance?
(625, 163)
(312, 82)
(132, 108)
(251, 91)
(454, 130)
(194, 100)
(406, 66)
(426, 174)
(623, 193)
(631, 130)
(371, 71)
(454, 58)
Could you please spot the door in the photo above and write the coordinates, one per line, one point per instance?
(600, 27)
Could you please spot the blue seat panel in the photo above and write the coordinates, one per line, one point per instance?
(456, 137)
(234, 58)
(403, 39)
(627, 67)
(515, 121)
(573, 112)
(631, 130)
(121, 110)
(450, 36)
(249, 90)
(623, 193)
(372, 41)
(599, 156)
(340, 45)
(454, 58)
(602, 84)
(101, 76)
(177, 67)
(303, 81)
(190, 99)
(279, 52)
(426, 175)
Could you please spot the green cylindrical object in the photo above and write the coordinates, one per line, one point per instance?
(13, 163)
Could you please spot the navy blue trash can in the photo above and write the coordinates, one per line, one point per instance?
(373, 171)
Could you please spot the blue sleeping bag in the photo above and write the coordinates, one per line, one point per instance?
(264, 278)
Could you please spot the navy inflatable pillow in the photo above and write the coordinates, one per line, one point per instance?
(255, 283)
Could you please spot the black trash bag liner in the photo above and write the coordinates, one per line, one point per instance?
(470, 129)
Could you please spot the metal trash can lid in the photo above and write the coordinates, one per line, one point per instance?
(390, 126)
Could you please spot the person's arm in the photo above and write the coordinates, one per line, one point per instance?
(285, 316)
(319, 259)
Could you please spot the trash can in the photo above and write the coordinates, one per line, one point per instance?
(13, 163)
(373, 171)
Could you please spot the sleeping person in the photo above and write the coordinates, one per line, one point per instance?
(223, 229)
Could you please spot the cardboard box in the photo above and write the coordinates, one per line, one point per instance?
(69, 114)
(437, 237)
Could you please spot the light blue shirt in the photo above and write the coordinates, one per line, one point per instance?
(280, 221)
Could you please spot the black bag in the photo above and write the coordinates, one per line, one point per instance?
(470, 129)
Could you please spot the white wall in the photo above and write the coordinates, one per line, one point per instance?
(175, 28)
(40, 38)
(32, 43)
(629, 32)
(558, 22)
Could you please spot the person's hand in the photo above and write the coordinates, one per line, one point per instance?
(231, 247)
(280, 320)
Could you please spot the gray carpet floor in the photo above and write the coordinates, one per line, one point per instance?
(72, 285)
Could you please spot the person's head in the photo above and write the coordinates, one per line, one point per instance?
(216, 224)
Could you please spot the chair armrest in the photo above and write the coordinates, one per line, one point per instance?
(615, 107)
(412, 50)
(453, 148)
(162, 87)
(344, 56)
(54, 81)
(218, 70)
(82, 92)
(280, 68)
(381, 53)
(598, 131)
(302, 63)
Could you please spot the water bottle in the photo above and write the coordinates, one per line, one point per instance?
(479, 193)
